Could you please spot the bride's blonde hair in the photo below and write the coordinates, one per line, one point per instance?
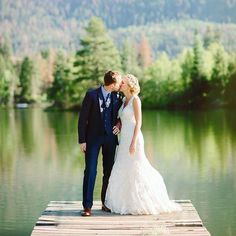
(133, 84)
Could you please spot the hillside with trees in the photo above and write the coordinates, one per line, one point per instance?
(169, 25)
(200, 76)
(183, 52)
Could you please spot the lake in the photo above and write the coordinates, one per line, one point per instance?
(40, 160)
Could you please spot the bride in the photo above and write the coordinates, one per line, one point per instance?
(135, 187)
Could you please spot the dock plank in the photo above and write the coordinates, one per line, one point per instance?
(63, 218)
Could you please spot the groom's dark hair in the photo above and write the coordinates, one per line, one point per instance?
(110, 77)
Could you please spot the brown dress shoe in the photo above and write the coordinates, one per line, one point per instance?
(86, 212)
(106, 209)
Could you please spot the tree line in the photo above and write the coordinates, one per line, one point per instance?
(201, 76)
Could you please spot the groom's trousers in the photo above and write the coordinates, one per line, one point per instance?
(108, 145)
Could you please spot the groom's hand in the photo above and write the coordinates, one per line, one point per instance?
(83, 147)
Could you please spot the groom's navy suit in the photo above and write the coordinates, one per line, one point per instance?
(96, 121)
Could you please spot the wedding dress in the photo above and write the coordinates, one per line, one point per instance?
(135, 187)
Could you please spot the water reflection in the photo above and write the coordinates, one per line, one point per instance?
(195, 151)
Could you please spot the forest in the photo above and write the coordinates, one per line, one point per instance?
(200, 76)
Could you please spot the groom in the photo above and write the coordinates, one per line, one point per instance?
(97, 128)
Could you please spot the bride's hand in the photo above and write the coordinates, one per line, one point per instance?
(132, 148)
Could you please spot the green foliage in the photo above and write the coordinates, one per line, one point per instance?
(4, 83)
(60, 90)
(65, 92)
(230, 91)
(97, 55)
(201, 76)
(196, 71)
(25, 78)
(199, 87)
(230, 86)
(45, 54)
(7, 74)
(197, 78)
(219, 76)
(164, 94)
(186, 62)
(129, 59)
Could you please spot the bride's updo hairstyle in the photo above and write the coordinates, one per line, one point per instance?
(133, 84)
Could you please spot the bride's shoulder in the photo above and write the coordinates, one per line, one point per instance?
(136, 100)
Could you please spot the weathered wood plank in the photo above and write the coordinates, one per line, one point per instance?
(63, 218)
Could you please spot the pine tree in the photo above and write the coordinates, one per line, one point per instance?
(59, 91)
(186, 66)
(26, 74)
(97, 54)
(199, 86)
(230, 90)
(4, 83)
(197, 59)
(219, 74)
(7, 74)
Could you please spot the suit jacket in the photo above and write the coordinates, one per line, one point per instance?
(90, 123)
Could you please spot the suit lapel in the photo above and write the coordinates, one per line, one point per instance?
(113, 98)
(100, 101)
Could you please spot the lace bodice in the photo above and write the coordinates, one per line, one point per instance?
(126, 113)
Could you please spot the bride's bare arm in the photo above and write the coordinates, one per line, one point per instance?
(138, 119)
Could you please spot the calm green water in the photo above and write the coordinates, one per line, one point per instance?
(40, 161)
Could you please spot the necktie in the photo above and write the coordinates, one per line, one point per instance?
(107, 101)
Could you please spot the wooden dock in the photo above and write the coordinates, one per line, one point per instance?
(63, 218)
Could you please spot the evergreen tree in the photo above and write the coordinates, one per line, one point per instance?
(4, 83)
(230, 86)
(186, 67)
(199, 86)
(219, 74)
(7, 74)
(197, 59)
(97, 54)
(59, 91)
(26, 75)
(230, 90)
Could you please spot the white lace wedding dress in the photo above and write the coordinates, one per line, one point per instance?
(135, 187)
